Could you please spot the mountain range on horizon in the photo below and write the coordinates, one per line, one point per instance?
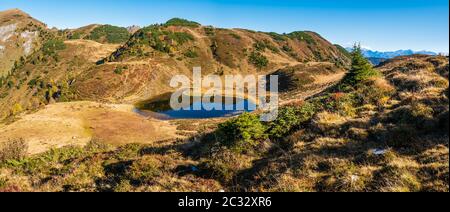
(391, 54)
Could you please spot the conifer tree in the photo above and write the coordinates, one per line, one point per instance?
(361, 68)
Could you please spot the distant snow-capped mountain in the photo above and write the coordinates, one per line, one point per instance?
(391, 54)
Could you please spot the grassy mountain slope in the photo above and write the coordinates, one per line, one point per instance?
(63, 70)
(62, 67)
(388, 133)
(46, 75)
(39, 65)
(100, 33)
(20, 36)
(143, 66)
(385, 131)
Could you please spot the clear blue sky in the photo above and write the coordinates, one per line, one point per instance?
(378, 24)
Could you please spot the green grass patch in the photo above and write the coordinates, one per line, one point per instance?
(302, 36)
(191, 54)
(290, 118)
(160, 39)
(276, 36)
(258, 60)
(242, 133)
(118, 70)
(181, 22)
(52, 46)
(110, 34)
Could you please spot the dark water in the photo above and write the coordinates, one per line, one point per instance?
(158, 111)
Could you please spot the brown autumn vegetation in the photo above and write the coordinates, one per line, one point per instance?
(383, 129)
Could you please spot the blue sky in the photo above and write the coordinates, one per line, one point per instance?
(377, 24)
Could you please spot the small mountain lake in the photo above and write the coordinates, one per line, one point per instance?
(160, 109)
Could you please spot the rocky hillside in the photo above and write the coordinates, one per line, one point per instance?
(20, 36)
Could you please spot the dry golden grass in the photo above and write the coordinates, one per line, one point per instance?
(77, 123)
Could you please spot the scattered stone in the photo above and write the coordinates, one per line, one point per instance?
(379, 151)
(354, 178)
(6, 32)
(133, 29)
(29, 38)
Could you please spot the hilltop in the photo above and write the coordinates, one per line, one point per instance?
(100, 33)
(20, 35)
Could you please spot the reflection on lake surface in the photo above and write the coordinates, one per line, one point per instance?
(161, 109)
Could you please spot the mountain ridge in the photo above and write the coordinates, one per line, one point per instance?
(391, 54)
